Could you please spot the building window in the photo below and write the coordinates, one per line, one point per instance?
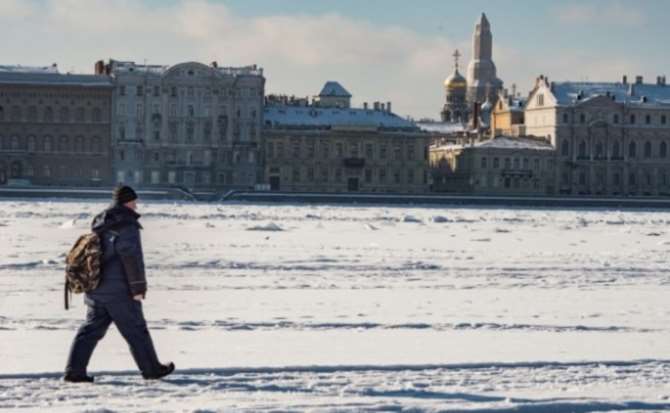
(324, 174)
(368, 150)
(97, 115)
(339, 149)
(155, 177)
(508, 163)
(615, 150)
(526, 163)
(540, 99)
(80, 115)
(582, 118)
(368, 176)
(325, 149)
(483, 162)
(631, 150)
(382, 152)
(122, 155)
(338, 175)
(140, 90)
(496, 163)
(616, 179)
(616, 118)
(536, 165)
(647, 119)
(2, 114)
(632, 119)
(382, 175)
(599, 150)
(663, 150)
(410, 152)
(410, 176)
(296, 174)
(664, 119)
(631, 179)
(647, 150)
(582, 178)
(397, 153)
(122, 90)
(566, 118)
(310, 174)
(191, 111)
(48, 114)
(582, 149)
(32, 114)
(565, 147)
(173, 91)
(396, 177)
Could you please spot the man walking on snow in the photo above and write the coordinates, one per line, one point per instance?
(118, 297)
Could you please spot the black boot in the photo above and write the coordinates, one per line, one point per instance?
(163, 370)
(71, 378)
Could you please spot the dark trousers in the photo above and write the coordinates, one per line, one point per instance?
(127, 315)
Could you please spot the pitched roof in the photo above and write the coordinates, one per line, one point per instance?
(568, 93)
(300, 116)
(332, 88)
(52, 79)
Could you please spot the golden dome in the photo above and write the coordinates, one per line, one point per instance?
(455, 81)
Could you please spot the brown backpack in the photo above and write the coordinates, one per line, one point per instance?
(82, 266)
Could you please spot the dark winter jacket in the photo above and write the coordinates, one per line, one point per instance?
(122, 270)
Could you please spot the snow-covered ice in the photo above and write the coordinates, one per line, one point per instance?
(354, 308)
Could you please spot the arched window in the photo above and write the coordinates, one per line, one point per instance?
(647, 149)
(15, 143)
(32, 114)
(48, 114)
(663, 150)
(615, 149)
(96, 115)
(48, 144)
(64, 114)
(62, 144)
(17, 114)
(565, 147)
(631, 150)
(31, 144)
(80, 115)
(79, 144)
(599, 149)
(97, 144)
(582, 149)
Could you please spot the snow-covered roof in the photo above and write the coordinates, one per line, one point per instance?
(442, 127)
(568, 93)
(505, 142)
(53, 79)
(296, 116)
(502, 142)
(332, 88)
(29, 69)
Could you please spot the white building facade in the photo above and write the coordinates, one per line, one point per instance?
(189, 125)
(610, 138)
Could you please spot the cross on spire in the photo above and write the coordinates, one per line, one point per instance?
(456, 55)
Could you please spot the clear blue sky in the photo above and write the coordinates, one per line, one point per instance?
(379, 49)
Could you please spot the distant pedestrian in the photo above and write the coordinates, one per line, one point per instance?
(118, 297)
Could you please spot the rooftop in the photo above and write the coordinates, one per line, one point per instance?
(568, 93)
(48, 78)
(313, 116)
(335, 89)
(504, 142)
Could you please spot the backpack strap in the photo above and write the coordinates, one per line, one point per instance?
(67, 289)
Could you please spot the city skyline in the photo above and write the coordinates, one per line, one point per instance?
(301, 44)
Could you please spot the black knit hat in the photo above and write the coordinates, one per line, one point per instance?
(123, 194)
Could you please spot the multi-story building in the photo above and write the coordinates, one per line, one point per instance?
(54, 128)
(509, 165)
(507, 116)
(335, 148)
(610, 138)
(188, 125)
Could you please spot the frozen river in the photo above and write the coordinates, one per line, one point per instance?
(354, 308)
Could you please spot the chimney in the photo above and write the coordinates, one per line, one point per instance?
(475, 115)
(383, 107)
(625, 80)
(99, 67)
(639, 80)
(388, 107)
(376, 105)
(365, 105)
(215, 64)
